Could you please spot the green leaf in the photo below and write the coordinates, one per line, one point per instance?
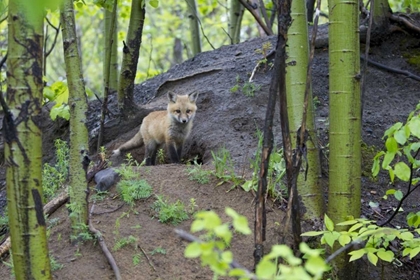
(329, 224)
(387, 159)
(372, 258)
(62, 111)
(347, 223)
(356, 226)
(316, 266)
(313, 233)
(241, 224)
(402, 171)
(414, 125)
(344, 239)
(398, 195)
(266, 269)
(391, 145)
(193, 250)
(375, 167)
(393, 128)
(400, 136)
(331, 237)
(387, 256)
(414, 252)
(154, 3)
(355, 255)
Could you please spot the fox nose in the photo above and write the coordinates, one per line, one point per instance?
(184, 120)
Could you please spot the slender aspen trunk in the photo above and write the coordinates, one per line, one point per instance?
(194, 28)
(345, 118)
(309, 188)
(23, 142)
(111, 34)
(235, 20)
(78, 189)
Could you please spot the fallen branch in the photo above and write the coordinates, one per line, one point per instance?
(104, 248)
(392, 70)
(49, 208)
(404, 20)
(148, 260)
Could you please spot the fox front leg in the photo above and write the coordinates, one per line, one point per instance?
(150, 154)
(175, 152)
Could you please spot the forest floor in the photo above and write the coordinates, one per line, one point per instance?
(230, 119)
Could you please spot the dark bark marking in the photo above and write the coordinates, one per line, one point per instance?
(38, 207)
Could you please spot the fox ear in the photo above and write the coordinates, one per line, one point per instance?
(172, 96)
(193, 96)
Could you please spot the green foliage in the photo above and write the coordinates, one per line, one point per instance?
(132, 190)
(55, 265)
(276, 171)
(402, 144)
(212, 251)
(136, 259)
(160, 156)
(83, 235)
(407, 6)
(248, 88)
(54, 177)
(173, 213)
(198, 174)
(125, 241)
(376, 239)
(224, 168)
(158, 250)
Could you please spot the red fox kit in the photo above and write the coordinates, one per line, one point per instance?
(170, 127)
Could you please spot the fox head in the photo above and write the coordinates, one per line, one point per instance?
(182, 108)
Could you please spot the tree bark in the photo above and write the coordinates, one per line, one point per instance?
(131, 52)
(310, 190)
(112, 64)
(236, 14)
(345, 118)
(78, 187)
(194, 28)
(23, 141)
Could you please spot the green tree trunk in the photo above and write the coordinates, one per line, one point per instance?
(236, 14)
(23, 142)
(310, 190)
(130, 57)
(194, 28)
(111, 34)
(345, 117)
(78, 189)
(381, 13)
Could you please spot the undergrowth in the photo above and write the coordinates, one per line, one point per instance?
(167, 212)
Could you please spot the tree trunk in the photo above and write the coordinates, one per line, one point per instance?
(78, 187)
(111, 34)
(309, 188)
(194, 28)
(236, 14)
(345, 117)
(130, 59)
(23, 141)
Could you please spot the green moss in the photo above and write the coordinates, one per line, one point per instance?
(413, 58)
(368, 153)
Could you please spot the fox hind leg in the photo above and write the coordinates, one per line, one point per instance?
(175, 152)
(150, 153)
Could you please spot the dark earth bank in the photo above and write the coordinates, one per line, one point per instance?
(225, 119)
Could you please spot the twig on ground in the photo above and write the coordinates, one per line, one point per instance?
(147, 257)
(109, 211)
(104, 248)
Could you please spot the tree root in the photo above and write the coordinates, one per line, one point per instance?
(49, 208)
(148, 260)
(104, 248)
(405, 21)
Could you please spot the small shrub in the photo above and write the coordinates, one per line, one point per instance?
(173, 213)
(125, 241)
(196, 173)
(132, 190)
(158, 250)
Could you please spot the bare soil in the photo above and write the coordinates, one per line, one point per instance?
(227, 119)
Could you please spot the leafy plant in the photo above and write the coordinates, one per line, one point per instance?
(275, 174)
(198, 174)
(54, 177)
(280, 263)
(376, 239)
(158, 250)
(136, 259)
(224, 168)
(55, 265)
(400, 158)
(84, 233)
(132, 190)
(160, 156)
(173, 213)
(125, 241)
(126, 169)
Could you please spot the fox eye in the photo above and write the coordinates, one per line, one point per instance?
(188, 111)
(178, 111)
